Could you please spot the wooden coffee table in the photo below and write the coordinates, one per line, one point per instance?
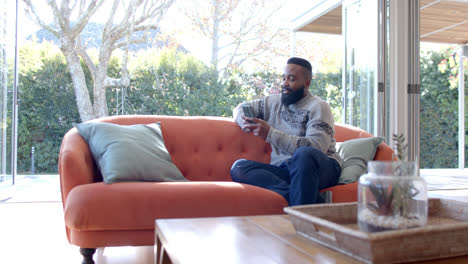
(247, 239)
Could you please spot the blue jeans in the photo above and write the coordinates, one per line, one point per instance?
(298, 179)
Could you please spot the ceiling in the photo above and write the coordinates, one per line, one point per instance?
(441, 21)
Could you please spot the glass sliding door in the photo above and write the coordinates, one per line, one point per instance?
(360, 30)
(7, 55)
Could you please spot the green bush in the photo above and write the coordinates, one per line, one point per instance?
(172, 83)
(439, 110)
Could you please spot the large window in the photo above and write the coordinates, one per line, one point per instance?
(7, 58)
(203, 58)
(442, 115)
(360, 61)
(190, 58)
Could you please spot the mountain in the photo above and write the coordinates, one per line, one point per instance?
(91, 37)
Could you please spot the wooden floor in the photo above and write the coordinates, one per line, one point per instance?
(32, 228)
(35, 233)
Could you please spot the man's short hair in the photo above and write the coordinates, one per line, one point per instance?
(302, 62)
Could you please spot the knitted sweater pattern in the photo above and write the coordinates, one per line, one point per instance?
(308, 122)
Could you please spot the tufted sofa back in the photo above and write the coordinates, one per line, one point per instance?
(203, 148)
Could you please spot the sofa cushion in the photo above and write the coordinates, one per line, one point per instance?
(355, 154)
(135, 205)
(129, 153)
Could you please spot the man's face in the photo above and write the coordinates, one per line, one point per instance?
(294, 84)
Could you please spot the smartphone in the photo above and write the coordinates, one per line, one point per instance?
(248, 111)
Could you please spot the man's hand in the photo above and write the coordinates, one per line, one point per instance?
(260, 128)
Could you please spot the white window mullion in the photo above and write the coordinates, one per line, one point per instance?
(398, 65)
(461, 110)
(381, 106)
(414, 91)
(14, 133)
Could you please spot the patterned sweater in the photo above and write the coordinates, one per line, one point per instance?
(309, 122)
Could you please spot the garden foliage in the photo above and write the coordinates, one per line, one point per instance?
(439, 109)
(165, 81)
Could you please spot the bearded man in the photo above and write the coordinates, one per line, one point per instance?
(300, 128)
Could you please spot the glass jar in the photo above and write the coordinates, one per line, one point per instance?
(391, 196)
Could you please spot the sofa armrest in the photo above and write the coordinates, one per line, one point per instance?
(75, 164)
(344, 193)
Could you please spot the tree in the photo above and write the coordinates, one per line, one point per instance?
(238, 29)
(71, 17)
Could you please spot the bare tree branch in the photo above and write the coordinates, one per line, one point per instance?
(110, 19)
(87, 60)
(234, 26)
(83, 20)
(155, 13)
(61, 15)
(31, 11)
(124, 43)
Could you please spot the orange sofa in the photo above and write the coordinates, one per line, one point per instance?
(203, 148)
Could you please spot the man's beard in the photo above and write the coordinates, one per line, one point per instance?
(292, 97)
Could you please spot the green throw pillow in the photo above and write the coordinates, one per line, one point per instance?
(355, 154)
(130, 153)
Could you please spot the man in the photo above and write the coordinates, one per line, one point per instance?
(300, 128)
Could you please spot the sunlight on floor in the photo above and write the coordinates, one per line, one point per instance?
(32, 229)
(35, 233)
(31, 188)
(121, 255)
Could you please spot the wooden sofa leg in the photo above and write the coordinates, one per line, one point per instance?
(87, 254)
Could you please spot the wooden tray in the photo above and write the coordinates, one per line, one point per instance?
(335, 226)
